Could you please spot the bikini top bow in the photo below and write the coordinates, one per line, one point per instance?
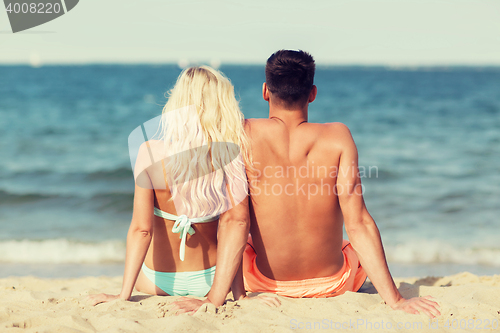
(182, 226)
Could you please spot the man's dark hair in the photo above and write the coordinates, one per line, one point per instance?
(290, 75)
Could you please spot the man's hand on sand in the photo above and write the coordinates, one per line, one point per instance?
(187, 305)
(418, 305)
(101, 298)
(271, 301)
(191, 305)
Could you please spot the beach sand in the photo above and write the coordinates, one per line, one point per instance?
(32, 304)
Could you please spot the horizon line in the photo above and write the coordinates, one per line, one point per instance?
(248, 63)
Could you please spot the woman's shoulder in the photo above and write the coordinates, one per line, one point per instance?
(151, 147)
(149, 153)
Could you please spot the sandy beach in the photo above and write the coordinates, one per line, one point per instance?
(468, 303)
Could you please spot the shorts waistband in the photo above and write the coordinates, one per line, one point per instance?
(313, 282)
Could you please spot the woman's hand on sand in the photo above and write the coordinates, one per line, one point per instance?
(101, 298)
(418, 305)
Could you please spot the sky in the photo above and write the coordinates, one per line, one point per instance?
(352, 32)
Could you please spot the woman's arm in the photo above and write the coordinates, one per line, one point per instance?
(139, 233)
(138, 238)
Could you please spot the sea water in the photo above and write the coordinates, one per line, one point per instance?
(428, 138)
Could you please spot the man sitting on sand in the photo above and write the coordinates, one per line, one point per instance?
(304, 185)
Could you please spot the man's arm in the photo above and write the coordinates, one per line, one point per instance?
(232, 236)
(238, 285)
(364, 234)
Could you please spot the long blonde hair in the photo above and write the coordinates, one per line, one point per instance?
(204, 136)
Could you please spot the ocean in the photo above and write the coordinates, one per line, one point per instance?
(428, 138)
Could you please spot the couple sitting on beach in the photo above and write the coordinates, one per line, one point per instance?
(288, 183)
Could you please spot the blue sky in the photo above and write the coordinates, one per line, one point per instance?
(398, 32)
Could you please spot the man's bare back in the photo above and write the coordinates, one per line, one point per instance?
(296, 217)
(304, 186)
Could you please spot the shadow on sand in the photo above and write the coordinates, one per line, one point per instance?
(408, 290)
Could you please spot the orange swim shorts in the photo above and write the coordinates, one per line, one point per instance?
(350, 278)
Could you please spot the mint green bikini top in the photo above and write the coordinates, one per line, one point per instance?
(183, 226)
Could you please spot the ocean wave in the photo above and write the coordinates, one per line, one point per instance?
(65, 251)
(114, 201)
(371, 172)
(117, 200)
(61, 251)
(434, 251)
(114, 174)
(119, 173)
(12, 198)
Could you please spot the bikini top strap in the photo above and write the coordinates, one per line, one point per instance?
(164, 173)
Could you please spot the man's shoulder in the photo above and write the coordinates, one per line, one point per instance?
(259, 121)
(335, 130)
(256, 125)
(337, 126)
(329, 136)
(262, 122)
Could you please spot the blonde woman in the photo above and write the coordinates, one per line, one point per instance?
(190, 202)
